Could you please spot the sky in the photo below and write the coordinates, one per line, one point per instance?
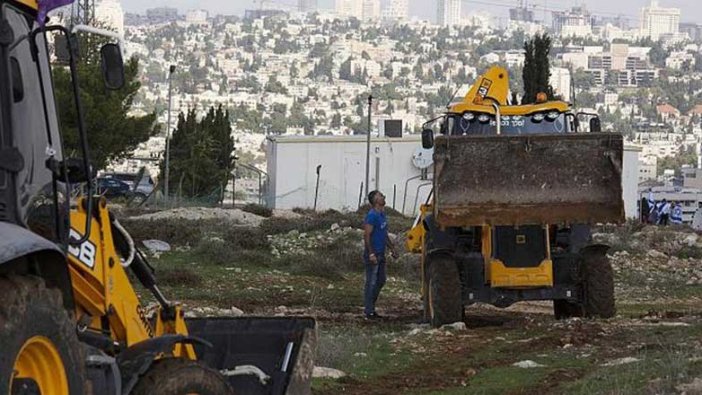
(426, 9)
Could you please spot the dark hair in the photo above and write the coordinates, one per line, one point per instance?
(372, 196)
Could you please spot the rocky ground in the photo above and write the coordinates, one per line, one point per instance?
(309, 264)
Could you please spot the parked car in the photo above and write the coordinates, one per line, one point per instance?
(112, 188)
(143, 189)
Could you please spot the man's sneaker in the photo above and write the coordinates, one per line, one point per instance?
(372, 316)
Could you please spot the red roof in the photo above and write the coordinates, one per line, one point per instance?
(667, 109)
(696, 110)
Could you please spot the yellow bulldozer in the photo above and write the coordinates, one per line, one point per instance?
(71, 321)
(516, 189)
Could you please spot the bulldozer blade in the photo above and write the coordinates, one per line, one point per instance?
(528, 179)
(281, 349)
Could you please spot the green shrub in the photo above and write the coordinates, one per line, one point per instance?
(179, 277)
(309, 223)
(242, 250)
(245, 237)
(330, 262)
(174, 231)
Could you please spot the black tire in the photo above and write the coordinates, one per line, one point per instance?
(180, 376)
(30, 309)
(425, 281)
(138, 199)
(563, 309)
(444, 291)
(598, 284)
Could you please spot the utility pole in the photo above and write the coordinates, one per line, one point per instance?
(316, 188)
(368, 141)
(171, 70)
(83, 12)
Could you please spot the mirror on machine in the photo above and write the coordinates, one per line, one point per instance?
(112, 66)
(73, 171)
(427, 138)
(595, 125)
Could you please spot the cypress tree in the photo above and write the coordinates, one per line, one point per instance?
(537, 72)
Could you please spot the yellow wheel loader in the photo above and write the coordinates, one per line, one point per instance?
(515, 190)
(70, 319)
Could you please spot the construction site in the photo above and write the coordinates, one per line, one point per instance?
(506, 248)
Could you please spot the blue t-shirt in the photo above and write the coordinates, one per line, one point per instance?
(380, 230)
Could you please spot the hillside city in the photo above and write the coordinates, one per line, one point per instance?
(283, 70)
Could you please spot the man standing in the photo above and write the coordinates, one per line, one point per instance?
(664, 213)
(376, 240)
(676, 214)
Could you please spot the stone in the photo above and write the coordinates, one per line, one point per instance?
(527, 364)
(656, 254)
(691, 239)
(621, 361)
(456, 326)
(694, 387)
(156, 246)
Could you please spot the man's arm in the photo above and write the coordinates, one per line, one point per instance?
(368, 230)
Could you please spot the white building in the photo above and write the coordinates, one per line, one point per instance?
(371, 10)
(196, 17)
(657, 21)
(292, 164)
(110, 13)
(677, 59)
(448, 12)
(349, 8)
(630, 180)
(307, 5)
(560, 81)
(648, 168)
(398, 10)
(574, 22)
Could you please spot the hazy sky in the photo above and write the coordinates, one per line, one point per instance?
(691, 9)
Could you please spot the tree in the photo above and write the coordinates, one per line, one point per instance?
(345, 72)
(112, 133)
(275, 86)
(336, 121)
(586, 99)
(201, 155)
(582, 79)
(536, 72)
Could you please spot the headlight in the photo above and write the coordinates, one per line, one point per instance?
(483, 118)
(538, 117)
(552, 115)
(468, 116)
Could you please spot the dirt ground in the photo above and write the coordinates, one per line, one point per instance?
(652, 346)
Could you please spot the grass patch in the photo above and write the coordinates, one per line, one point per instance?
(361, 353)
(665, 360)
(502, 379)
(182, 277)
(329, 261)
(258, 209)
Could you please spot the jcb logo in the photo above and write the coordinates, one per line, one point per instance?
(85, 252)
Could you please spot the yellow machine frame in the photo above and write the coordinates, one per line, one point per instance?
(102, 289)
(497, 275)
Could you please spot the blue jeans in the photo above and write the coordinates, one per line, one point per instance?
(375, 279)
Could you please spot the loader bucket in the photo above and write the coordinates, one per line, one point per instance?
(528, 179)
(283, 348)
